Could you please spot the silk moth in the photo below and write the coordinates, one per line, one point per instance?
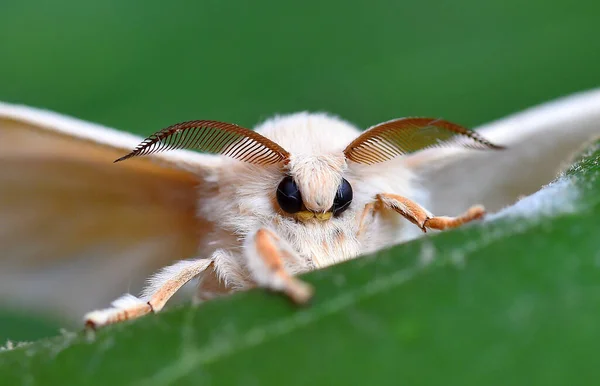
(253, 207)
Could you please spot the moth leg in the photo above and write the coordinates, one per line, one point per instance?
(366, 215)
(265, 255)
(422, 218)
(161, 288)
(224, 275)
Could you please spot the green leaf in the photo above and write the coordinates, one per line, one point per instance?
(512, 300)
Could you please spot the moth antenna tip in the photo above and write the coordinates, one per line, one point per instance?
(121, 159)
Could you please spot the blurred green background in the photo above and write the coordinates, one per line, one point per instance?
(143, 65)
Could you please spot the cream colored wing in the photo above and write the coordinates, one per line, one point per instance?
(540, 141)
(77, 230)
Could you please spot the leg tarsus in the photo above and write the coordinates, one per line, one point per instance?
(443, 222)
(422, 218)
(124, 308)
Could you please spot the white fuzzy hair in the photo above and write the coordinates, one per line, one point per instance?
(246, 194)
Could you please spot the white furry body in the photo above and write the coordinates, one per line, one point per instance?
(142, 212)
(245, 196)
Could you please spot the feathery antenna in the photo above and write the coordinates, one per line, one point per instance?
(213, 137)
(402, 136)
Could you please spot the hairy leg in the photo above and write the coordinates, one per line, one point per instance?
(421, 217)
(266, 254)
(160, 289)
(223, 276)
(364, 218)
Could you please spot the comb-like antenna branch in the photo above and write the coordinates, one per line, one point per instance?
(213, 137)
(398, 137)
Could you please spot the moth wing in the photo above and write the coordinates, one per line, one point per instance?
(77, 230)
(539, 142)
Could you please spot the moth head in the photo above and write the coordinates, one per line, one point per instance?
(314, 187)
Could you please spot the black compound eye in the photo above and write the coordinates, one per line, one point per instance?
(288, 196)
(343, 197)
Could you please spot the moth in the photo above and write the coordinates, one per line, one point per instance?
(253, 207)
